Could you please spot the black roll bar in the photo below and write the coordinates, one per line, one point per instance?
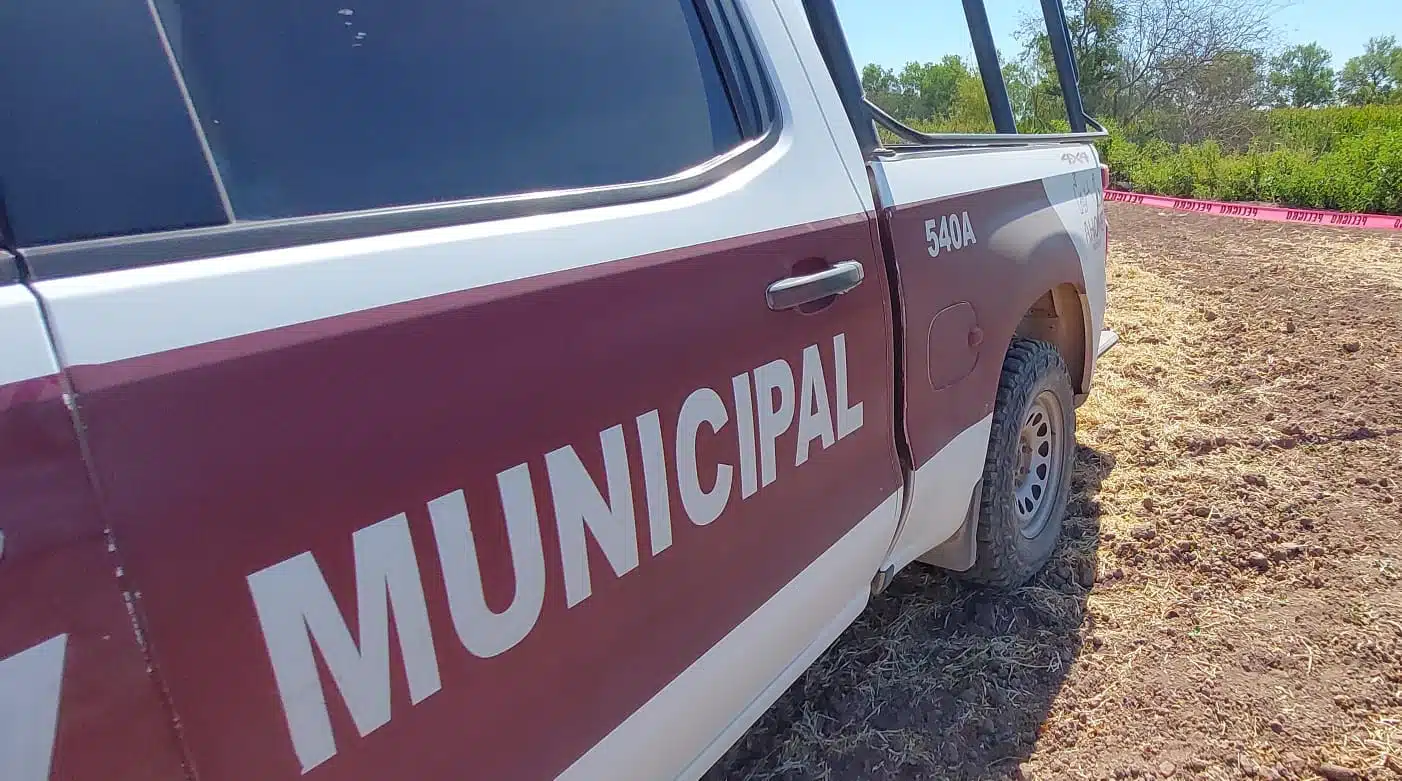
(918, 138)
(862, 113)
(989, 69)
(827, 31)
(1059, 35)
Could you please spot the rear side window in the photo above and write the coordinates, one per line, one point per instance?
(322, 106)
(95, 136)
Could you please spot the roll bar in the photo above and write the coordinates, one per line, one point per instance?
(827, 30)
(1059, 35)
(987, 55)
(919, 138)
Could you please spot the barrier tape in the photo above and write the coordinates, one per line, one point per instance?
(1267, 213)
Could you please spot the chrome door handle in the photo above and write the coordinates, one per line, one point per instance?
(807, 288)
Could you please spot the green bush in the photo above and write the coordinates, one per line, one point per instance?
(1318, 130)
(1347, 158)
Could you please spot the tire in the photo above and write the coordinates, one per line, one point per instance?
(1019, 523)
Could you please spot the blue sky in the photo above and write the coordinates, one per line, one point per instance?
(893, 32)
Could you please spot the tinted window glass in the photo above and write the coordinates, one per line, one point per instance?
(95, 138)
(336, 105)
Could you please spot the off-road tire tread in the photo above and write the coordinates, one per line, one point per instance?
(1006, 560)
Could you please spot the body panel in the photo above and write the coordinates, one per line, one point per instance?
(935, 490)
(422, 500)
(744, 653)
(977, 238)
(232, 459)
(76, 700)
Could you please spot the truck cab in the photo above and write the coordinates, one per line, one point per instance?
(451, 390)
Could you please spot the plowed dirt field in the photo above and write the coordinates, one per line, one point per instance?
(1227, 602)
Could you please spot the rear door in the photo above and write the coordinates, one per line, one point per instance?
(441, 415)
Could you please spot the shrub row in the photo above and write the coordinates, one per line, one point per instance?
(1349, 159)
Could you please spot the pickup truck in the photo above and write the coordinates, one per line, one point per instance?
(435, 390)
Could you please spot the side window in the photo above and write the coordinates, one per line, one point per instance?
(95, 136)
(323, 106)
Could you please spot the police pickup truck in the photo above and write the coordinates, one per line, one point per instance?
(407, 389)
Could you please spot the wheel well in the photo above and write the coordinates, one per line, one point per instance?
(1057, 317)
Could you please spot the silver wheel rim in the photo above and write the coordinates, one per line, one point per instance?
(1039, 458)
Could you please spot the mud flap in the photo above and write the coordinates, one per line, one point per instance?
(1108, 339)
(959, 552)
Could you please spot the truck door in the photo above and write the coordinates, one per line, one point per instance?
(489, 394)
(990, 236)
(75, 697)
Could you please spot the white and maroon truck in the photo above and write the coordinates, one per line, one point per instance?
(424, 390)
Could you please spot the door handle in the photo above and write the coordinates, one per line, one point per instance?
(796, 291)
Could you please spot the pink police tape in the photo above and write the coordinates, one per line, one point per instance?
(1267, 213)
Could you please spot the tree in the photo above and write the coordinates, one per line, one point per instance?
(1168, 45)
(969, 113)
(1373, 77)
(1135, 56)
(922, 92)
(1220, 102)
(1301, 77)
(1094, 27)
(881, 87)
(934, 85)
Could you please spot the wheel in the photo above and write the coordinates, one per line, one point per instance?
(1027, 473)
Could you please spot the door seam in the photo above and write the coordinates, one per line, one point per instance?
(130, 596)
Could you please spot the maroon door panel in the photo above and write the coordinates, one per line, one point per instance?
(962, 306)
(531, 504)
(76, 699)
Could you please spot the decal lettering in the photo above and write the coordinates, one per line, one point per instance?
(849, 417)
(1191, 206)
(482, 631)
(702, 406)
(31, 683)
(745, 433)
(659, 509)
(296, 609)
(774, 379)
(814, 417)
(579, 504)
(948, 233)
(301, 619)
(1090, 202)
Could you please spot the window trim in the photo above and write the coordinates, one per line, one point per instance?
(92, 256)
(723, 48)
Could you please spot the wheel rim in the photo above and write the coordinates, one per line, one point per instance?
(1039, 460)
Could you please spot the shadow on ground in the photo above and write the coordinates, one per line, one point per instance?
(937, 680)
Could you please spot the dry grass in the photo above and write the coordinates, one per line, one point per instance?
(1235, 513)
